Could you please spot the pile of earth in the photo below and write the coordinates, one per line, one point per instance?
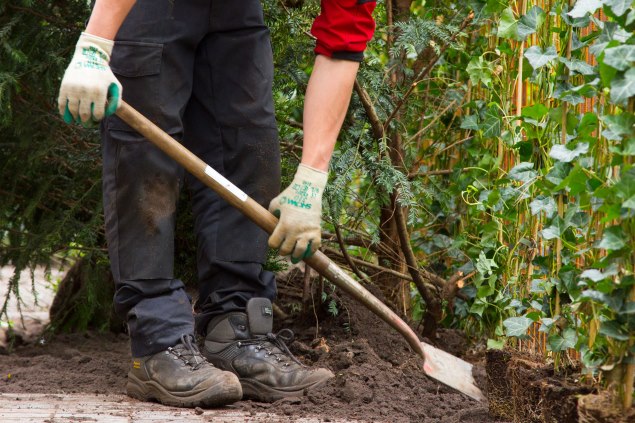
(377, 377)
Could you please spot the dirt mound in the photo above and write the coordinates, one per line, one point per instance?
(377, 378)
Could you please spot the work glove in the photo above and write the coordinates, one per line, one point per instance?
(88, 82)
(299, 208)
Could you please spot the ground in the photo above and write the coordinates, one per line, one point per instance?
(82, 377)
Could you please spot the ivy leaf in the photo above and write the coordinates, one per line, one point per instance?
(555, 230)
(517, 305)
(536, 111)
(582, 7)
(493, 6)
(570, 337)
(630, 203)
(547, 322)
(575, 182)
(517, 326)
(442, 241)
(628, 147)
(530, 23)
(594, 274)
(523, 172)
(493, 344)
(579, 66)
(561, 343)
(626, 186)
(485, 291)
(470, 122)
(613, 239)
(541, 286)
(581, 220)
(622, 88)
(602, 298)
(620, 57)
(478, 307)
(562, 153)
(492, 123)
(543, 203)
(619, 7)
(588, 125)
(576, 44)
(508, 27)
(479, 70)
(613, 329)
(566, 92)
(538, 57)
(558, 173)
(620, 125)
(485, 265)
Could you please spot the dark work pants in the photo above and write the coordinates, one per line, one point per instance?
(202, 70)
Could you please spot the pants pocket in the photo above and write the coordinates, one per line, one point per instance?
(137, 65)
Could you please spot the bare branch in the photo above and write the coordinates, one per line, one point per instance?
(350, 262)
(375, 122)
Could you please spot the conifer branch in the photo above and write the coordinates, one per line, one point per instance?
(425, 71)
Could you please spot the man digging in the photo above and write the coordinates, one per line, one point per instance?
(202, 70)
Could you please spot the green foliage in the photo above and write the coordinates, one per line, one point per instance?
(568, 263)
(49, 185)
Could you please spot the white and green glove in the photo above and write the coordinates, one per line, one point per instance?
(88, 82)
(299, 208)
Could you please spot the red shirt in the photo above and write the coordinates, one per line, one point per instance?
(343, 28)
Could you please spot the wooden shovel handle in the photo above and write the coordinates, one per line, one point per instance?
(261, 216)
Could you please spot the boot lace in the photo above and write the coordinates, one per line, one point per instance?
(275, 345)
(188, 352)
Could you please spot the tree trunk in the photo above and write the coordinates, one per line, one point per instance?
(84, 300)
(395, 289)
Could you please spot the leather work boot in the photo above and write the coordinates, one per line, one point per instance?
(243, 344)
(180, 376)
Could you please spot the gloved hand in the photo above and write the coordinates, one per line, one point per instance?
(88, 82)
(299, 208)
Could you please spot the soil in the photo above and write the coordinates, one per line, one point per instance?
(498, 386)
(377, 377)
(601, 408)
(525, 389)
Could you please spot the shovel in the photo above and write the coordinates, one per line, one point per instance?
(438, 364)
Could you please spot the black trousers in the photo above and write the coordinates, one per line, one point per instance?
(202, 70)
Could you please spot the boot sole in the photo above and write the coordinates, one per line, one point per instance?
(252, 389)
(223, 392)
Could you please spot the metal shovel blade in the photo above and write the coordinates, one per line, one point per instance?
(450, 370)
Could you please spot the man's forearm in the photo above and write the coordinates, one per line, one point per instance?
(107, 17)
(327, 98)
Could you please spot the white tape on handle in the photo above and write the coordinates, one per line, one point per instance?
(224, 182)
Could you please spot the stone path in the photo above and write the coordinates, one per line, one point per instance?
(49, 408)
(35, 311)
